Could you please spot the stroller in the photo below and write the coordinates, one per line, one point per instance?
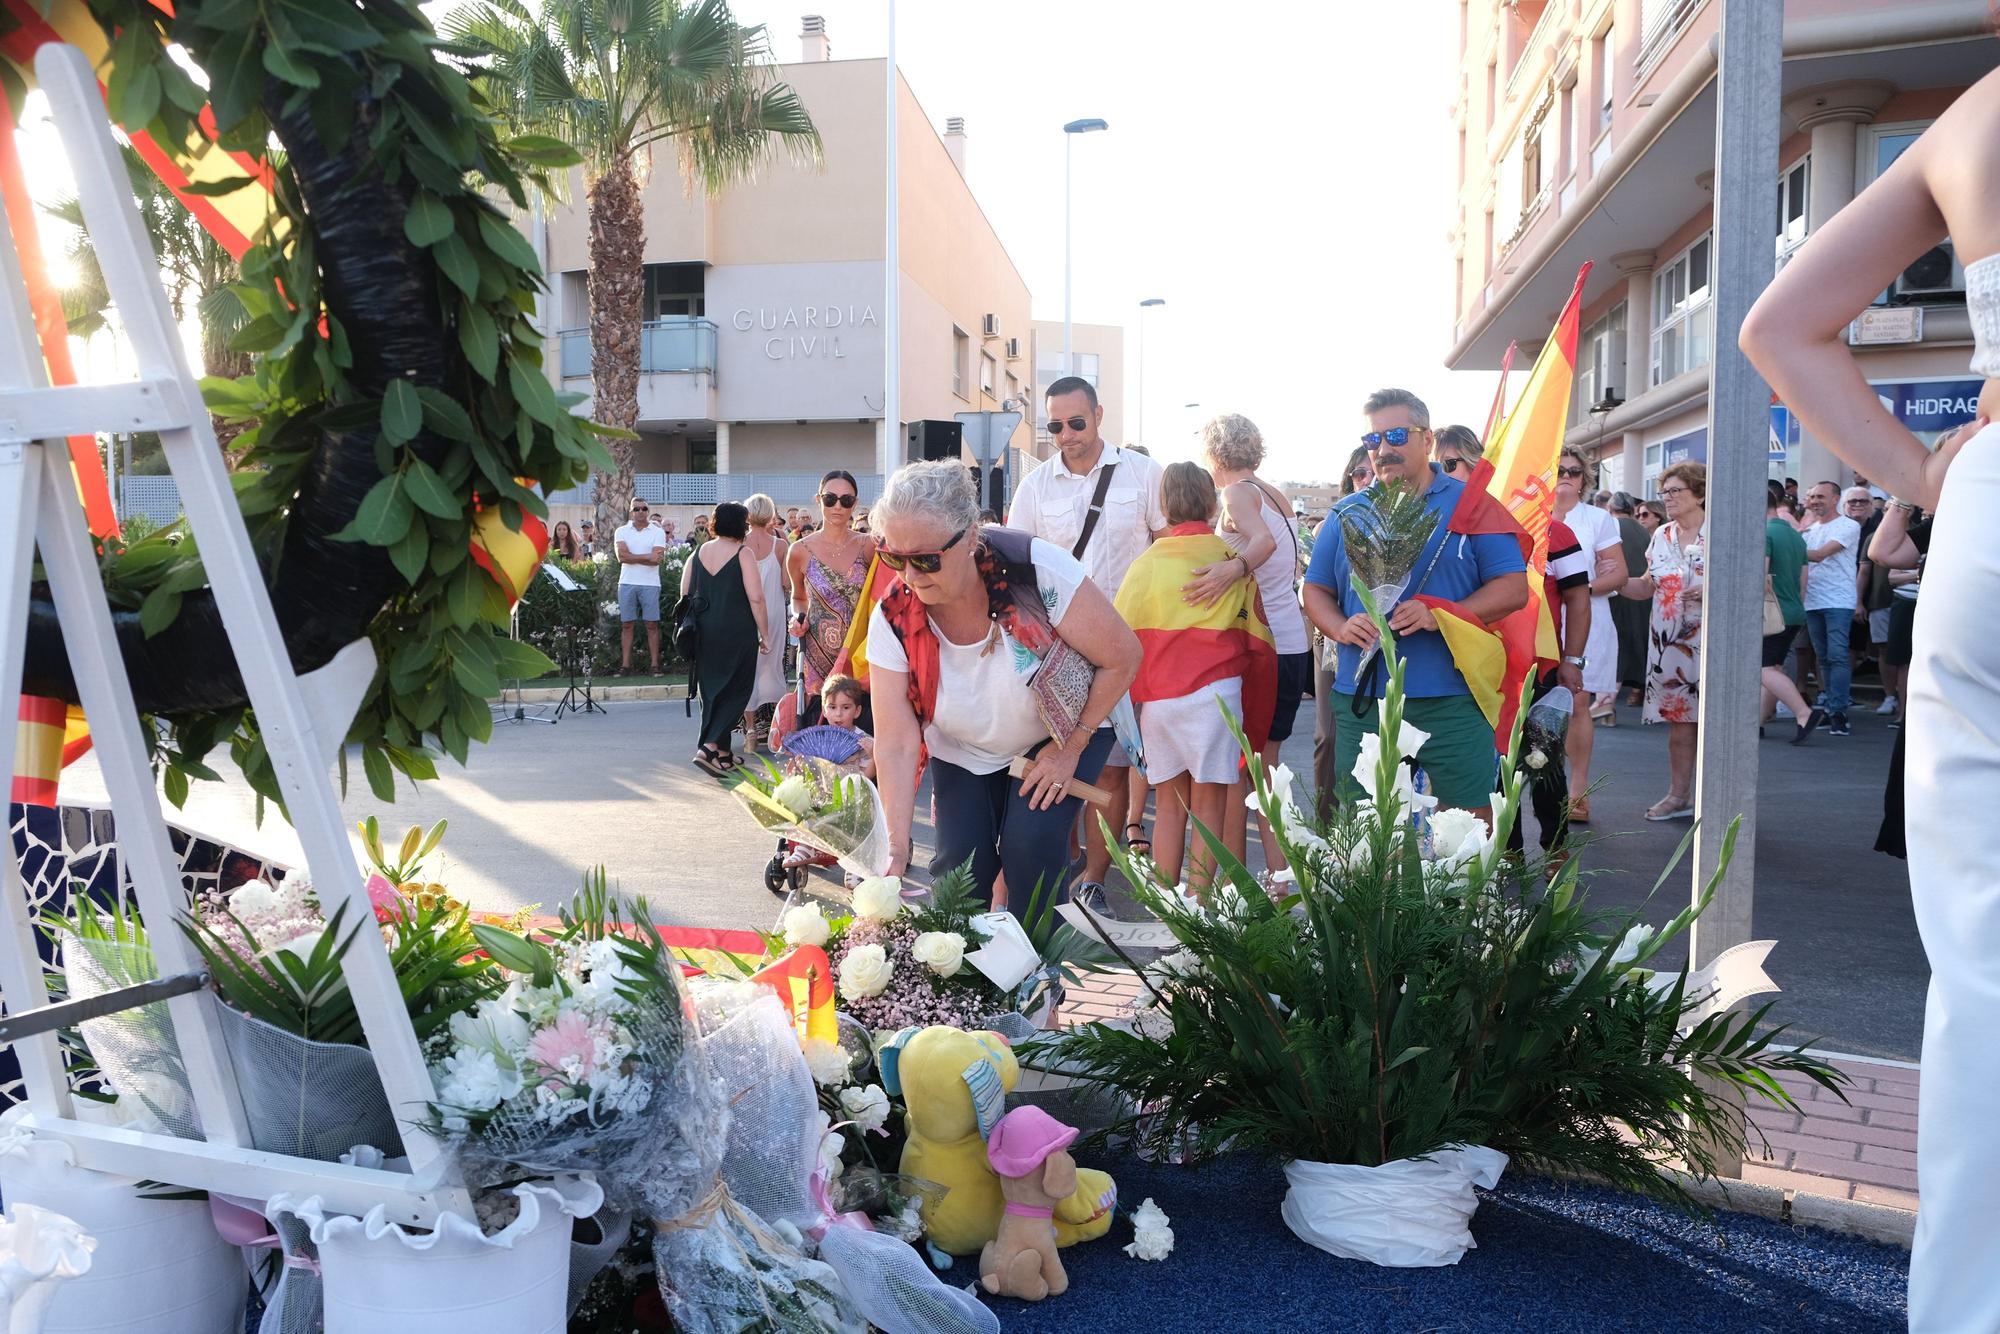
(794, 860)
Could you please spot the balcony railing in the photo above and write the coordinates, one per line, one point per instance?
(676, 346)
(1665, 21)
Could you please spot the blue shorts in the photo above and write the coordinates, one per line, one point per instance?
(638, 602)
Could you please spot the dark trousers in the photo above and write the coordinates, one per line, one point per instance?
(984, 817)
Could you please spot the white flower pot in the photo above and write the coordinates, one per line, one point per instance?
(159, 1266)
(1411, 1213)
(39, 1251)
(382, 1279)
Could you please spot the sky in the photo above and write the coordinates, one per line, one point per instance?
(1280, 172)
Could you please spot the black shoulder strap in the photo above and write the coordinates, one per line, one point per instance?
(1096, 508)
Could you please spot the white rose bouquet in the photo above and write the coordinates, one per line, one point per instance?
(811, 801)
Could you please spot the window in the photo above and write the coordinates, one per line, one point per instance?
(1654, 467)
(1683, 315)
(1086, 366)
(1600, 362)
(673, 292)
(1936, 276)
(575, 298)
(1600, 83)
(1792, 188)
(1565, 170)
(1611, 471)
(961, 355)
(988, 373)
(1492, 91)
(701, 457)
(1013, 387)
(1461, 159)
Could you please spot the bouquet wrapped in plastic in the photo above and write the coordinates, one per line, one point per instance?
(591, 1061)
(1384, 538)
(776, 1164)
(812, 801)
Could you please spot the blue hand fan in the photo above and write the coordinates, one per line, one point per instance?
(835, 745)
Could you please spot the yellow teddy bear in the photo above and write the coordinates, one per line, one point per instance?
(955, 1085)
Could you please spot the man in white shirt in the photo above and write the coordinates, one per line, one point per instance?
(1055, 503)
(1832, 543)
(641, 548)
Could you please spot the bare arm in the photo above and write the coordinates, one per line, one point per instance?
(1576, 634)
(795, 578)
(625, 557)
(1610, 575)
(753, 588)
(1323, 610)
(896, 739)
(687, 573)
(1795, 333)
(1891, 545)
(1818, 554)
(1242, 502)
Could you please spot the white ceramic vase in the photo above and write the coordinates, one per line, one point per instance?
(39, 1251)
(380, 1278)
(159, 1266)
(1411, 1213)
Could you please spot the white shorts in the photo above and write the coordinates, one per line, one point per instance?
(1187, 734)
(1600, 652)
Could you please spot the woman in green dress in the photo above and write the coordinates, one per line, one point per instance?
(734, 626)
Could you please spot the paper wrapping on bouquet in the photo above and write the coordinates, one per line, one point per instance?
(849, 826)
(1412, 1213)
(1387, 597)
(159, 1266)
(1735, 974)
(453, 1278)
(771, 1168)
(39, 1251)
(1008, 957)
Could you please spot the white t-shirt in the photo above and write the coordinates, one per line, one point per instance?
(986, 713)
(1052, 502)
(640, 542)
(1830, 582)
(1597, 530)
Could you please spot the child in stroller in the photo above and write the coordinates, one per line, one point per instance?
(842, 701)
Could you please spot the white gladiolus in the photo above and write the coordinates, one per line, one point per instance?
(1458, 838)
(879, 898)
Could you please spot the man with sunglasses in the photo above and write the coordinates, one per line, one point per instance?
(1483, 573)
(1101, 504)
(642, 545)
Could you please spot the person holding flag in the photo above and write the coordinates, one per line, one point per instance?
(1472, 572)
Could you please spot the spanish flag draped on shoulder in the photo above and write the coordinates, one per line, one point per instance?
(1513, 491)
(1188, 646)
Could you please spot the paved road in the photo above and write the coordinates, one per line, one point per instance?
(540, 806)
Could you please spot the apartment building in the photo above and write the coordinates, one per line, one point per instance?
(765, 330)
(1586, 131)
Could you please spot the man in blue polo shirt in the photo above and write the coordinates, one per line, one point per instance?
(1482, 573)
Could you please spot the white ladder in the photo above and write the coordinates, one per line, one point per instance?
(303, 720)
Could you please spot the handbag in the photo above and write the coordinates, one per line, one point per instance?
(1774, 615)
(1062, 685)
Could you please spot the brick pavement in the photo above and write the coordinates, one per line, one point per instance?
(1863, 1149)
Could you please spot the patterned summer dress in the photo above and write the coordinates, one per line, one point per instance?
(832, 596)
(1673, 650)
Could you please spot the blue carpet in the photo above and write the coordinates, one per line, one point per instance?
(1552, 1257)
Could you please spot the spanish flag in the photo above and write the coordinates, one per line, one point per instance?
(1188, 647)
(1513, 491)
(49, 735)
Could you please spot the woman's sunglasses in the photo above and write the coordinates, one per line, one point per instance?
(1395, 435)
(830, 499)
(1454, 464)
(923, 562)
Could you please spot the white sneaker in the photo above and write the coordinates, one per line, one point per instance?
(1889, 708)
(1782, 711)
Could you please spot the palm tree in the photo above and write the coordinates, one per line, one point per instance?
(613, 78)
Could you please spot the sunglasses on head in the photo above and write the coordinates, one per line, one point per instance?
(923, 562)
(1077, 424)
(830, 499)
(1395, 435)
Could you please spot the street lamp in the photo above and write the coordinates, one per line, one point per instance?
(1070, 131)
(1143, 307)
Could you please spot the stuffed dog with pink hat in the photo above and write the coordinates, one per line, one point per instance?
(1026, 1153)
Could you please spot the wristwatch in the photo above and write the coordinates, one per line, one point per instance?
(1574, 662)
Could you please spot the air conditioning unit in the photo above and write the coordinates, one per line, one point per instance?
(1013, 349)
(1936, 273)
(990, 326)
